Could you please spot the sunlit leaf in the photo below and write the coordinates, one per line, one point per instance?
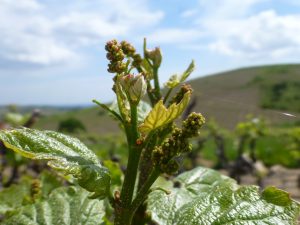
(63, 153)
(65, 206)
(49, 181)
(20, 194)
(204, 197)
(13, 196)
(160, 115)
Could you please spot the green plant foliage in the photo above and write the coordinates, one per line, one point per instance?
(63, 153)
(160, 115)
(65, 206)
(204, 197)
(25, 191)
(13, 196)
(49, 181)
(278, 89)
(282, 95)
(115, 171)
(16, 119)
(71, 125)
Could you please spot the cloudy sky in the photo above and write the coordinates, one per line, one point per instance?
(52, 51)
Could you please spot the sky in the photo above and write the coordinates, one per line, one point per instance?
(52, 51)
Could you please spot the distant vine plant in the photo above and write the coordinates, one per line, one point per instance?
(155, 141)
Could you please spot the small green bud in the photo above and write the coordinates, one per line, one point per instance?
(137, 60)
(192, 124)
(109, 45)
(127, 48)
(155, 56)
(134, 86)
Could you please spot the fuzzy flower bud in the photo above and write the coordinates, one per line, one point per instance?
(155, 56)
(191, 126)
(171, 148)
(127, 48)
(115, 55)
(134, 86)
(137, 60)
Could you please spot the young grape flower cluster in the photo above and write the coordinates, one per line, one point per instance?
(177, 143)
(116, 56)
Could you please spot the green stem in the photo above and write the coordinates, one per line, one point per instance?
(156, 83)
(143, 192)
(133, 160)
(150, 93)
(167, 95)
(122, 215)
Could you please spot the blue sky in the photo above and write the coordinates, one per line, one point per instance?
(52, 51)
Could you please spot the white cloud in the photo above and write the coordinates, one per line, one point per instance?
(26, 36)
(238, 29)
(174, 36)
(227, 8)
(33, 33)
(266, 34)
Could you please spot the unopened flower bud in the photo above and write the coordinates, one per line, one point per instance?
(137, 60)
(155, 56)
(127, 48)
(134, 86)
(192, 124)
(115, 55)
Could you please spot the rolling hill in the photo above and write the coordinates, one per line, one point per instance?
(230, 96)
(267, 91)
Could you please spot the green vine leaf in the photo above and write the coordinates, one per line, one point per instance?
(13, 196)
(160, 115)
(65, 206)
(175, 80)
(204, 197)
(276, 196)
(63, 153)
(20, 194)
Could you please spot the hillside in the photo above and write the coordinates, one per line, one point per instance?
(228, 97)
